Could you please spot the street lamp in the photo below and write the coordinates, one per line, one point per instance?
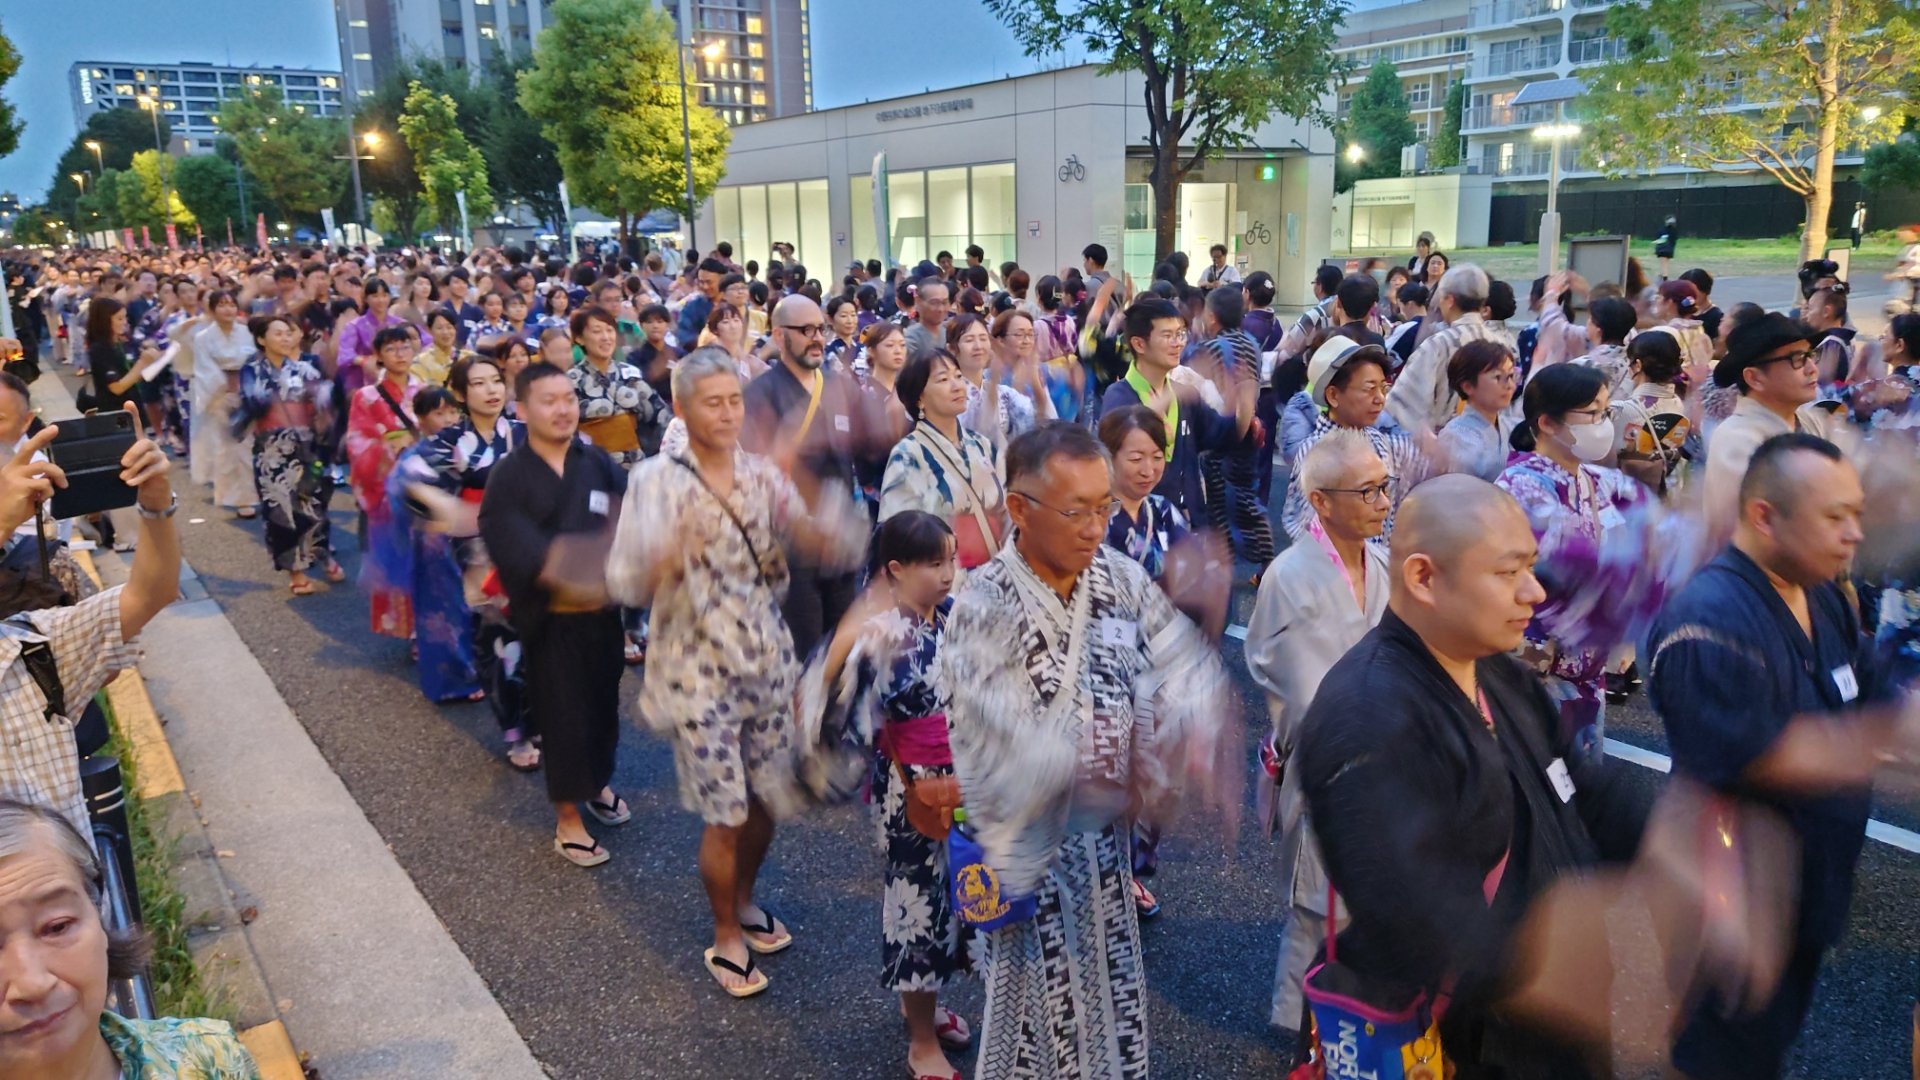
(1870, 113)
(1355, 153)
(353, 154)
(152, 105)
(711, 51)
(94, 146)
(1554, 134)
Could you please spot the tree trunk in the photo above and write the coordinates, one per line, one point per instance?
(1813, 239)
(1165, 178)
(626, 221)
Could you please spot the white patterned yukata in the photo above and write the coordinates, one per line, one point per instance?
(1047, 780)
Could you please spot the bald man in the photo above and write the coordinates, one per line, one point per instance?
(838, 433)
(1442, 791)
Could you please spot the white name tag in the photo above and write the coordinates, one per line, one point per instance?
(1119, 633)
(1562, 781)
(841, 424)
(597, 503)
(1844, 681)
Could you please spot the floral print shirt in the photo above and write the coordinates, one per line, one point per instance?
(924, 473)
(1147, 539)
(622, 388)
(175, 1049)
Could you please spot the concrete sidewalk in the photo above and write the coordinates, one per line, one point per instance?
(366, 978)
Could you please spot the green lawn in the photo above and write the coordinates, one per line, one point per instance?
(1724, 258)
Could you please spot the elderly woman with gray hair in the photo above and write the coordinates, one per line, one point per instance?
(56, 958)
(1421, 399)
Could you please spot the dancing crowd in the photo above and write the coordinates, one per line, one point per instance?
(961, 540)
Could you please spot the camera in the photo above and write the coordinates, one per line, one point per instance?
(88, 449)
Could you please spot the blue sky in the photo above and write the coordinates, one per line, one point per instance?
(862, 49)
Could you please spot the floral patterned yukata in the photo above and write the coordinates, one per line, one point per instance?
(377, 433)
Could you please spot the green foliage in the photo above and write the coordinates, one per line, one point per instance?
(10, 123)
(292, 154)
(1805, 81)
(445, 161)
(387, 173)
(206, 185)
(141, 188)
(1214, 70)
(121, 133)
(35, 225)
(521, 162)
(1894, 166)
(1444, 151)
(1378, 122)
(605, 89)
(99, 208)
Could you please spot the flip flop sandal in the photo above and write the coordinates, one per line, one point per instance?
(717, 964)
(616, 813)
(778, 944)
(635, 653)
(529, 760)
(918, 1075)
(304, 588)
(951, 1030)
(1145, 901)
(581, 854)
(246, 513)
(336, 573)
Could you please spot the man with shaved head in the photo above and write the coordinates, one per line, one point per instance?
(1760, 672)
(828, 425)
(1317, 599)
(1442, 790)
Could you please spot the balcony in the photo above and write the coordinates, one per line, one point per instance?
(1515, 61)
(1598, 50)
(1494, 117)
(1490, 13)
(1524, 163)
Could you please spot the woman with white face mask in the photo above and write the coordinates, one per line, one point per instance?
(1576, 506)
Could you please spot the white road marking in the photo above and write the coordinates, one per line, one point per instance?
(1891, 835)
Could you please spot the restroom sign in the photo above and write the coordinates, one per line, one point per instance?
(1033, 230)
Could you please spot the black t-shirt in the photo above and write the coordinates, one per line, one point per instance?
(526, 507)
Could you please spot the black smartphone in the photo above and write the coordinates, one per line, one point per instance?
(88, 449)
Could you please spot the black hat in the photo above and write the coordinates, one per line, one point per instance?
(1750, 342)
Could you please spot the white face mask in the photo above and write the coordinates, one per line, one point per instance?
(1591, 442)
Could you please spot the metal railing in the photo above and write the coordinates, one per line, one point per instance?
(1596, 50)
(107, 811)
(1513, 61)
(1499, 12)
(1486, 117)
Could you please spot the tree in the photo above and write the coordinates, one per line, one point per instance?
(1444, 150)
(605, 88)
(99, 208)
(207, 186)
(1379, 124)
(121, 133)
(37, 225)
(1805, 81)
(388, 174)
(521, 162)
(1215, 70)
(446, 162)
(293, 155)
(10, 123)
(141, 189)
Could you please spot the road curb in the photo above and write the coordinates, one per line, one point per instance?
(216, 923)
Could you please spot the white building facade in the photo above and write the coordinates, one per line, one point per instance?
(190, 95)
(1032, 169)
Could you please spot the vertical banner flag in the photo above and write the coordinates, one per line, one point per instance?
(881, 212)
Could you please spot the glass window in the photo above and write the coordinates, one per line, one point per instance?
(1137, 240)
(816, 234)
(726, 212)
(753, 224)
(783, 218)
(860, 206)
(907, 203)
(993, 211)
(947, 211)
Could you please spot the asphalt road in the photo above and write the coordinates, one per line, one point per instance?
(600, 970)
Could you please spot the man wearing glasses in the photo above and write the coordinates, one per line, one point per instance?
(1157, 334)
(1768, 360)
(1080, 695)
(825, 423)
(1317, 599)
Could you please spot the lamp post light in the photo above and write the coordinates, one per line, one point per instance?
(94, 145)
(1356, 153)
(711, 51)
(1554, 134)
(371, 139)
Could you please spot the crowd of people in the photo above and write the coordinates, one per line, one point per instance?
(961, 539)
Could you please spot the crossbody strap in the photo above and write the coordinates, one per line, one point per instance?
(381, 386)
(966, 477)
(759, 567)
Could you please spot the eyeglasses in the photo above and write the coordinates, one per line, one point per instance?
(1076, 518)
(811, 329)
(1170, 336)
(1593, 416)
(1372, 494)
(1798, 361)
(1019, 335)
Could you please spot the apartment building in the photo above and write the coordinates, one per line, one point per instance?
(762, 62)
(190, 94)
(1426, 41)
(377, 35)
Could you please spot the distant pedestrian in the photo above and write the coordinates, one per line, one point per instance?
(1858, 224)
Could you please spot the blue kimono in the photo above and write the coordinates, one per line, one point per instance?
(424, 563)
